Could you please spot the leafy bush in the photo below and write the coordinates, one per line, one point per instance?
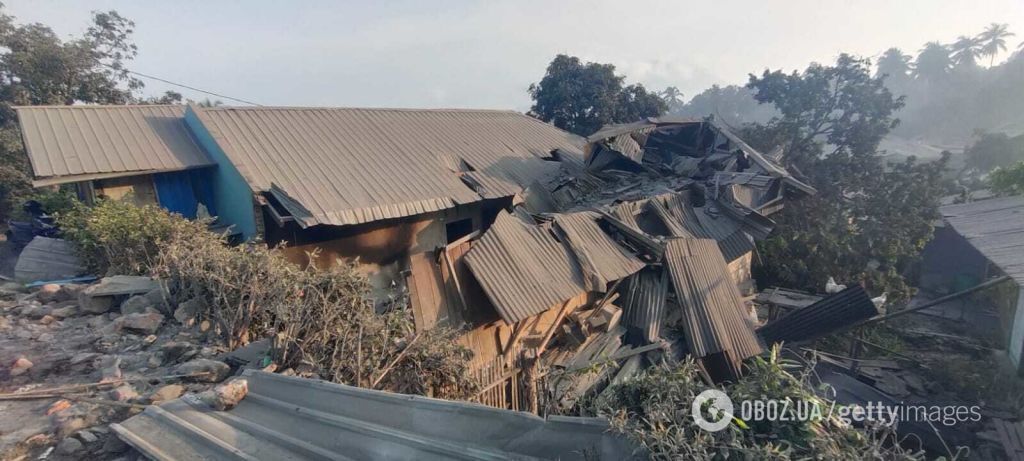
(118, 237)
(1008, 180)
(653, 409)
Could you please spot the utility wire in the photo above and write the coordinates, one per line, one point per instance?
(140, 74)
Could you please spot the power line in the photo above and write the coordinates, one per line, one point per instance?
(140, 74)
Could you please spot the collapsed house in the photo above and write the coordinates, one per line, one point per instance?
(550, 251)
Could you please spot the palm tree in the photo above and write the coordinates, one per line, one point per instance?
(672, 97)
(894, 63)
(933, 62)
(966, 51)
(993, 40)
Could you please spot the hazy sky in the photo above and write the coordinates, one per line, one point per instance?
(486, 53)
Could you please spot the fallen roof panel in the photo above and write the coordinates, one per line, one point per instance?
(595, 250)
(73, 143)
(643, 305)
(294, 418)
(847, 307)
(714, 316)
(523, 269)
(350, 166)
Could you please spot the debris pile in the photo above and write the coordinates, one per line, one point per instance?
(75, 358)
(641, 256)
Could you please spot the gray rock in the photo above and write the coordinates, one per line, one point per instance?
(114, 445)
(48, 292)
(225, 396)
(65, 312)
(94, 304)
(147, 323)
(168, 392)
(99, 298)
(110, 368)
(158, 298)
(22, 365)
(69, 446)
(86, 436)
(174, 350)
(123, 393)
(137, 304)
(214, 370)
(36, 312)
(188, 311)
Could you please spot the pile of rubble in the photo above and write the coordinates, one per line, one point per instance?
(641, 256)
(76, 358)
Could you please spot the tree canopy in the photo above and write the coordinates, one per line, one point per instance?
(869, 220)
(582, 97)
(37, 67)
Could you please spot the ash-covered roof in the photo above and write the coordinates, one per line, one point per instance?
(996, 228)
(77, 143)
(341, 166)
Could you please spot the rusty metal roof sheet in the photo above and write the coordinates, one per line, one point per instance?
(996, 228)
(350, 166)
(598, 254)
(523, 269)
(714, 317)
(683, 220)
(643, 305)
(297, 419)
(75, 143)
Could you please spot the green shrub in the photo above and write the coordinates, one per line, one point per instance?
(117, 237)
(653, 409)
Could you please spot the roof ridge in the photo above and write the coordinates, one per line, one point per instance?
(98, 106)
(383, 109)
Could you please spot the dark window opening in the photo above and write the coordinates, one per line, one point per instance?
(458, 229)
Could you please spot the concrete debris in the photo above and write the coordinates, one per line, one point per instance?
(123, 393)
(144, 323)
(20, 366)
(168, 392)
(225, 396)
(69, 446)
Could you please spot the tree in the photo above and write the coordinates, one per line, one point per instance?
(1008, 180)
(933, 62)
(894, 64)
(966, 51)
(673, 98)
(37, 67)
(993, 40)
(582, 97)
(993, 150)
(869, 220)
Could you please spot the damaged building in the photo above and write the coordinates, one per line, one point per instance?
(551, 252)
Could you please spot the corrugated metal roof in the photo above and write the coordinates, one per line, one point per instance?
(294, 418)
(350, 166)
(847, 307)
(643, 305)
(523, 269)
(67, 142)
(597, 253)
(48, 259)
(677, 213)
(714, 317)
(996, 228)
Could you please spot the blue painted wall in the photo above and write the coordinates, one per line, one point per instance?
(234, 202)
